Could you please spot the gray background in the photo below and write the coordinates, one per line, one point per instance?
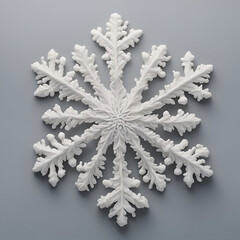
(30, 208)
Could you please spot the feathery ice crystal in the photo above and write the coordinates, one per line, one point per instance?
(119, 117)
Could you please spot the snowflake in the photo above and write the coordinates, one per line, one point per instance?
(120, 118)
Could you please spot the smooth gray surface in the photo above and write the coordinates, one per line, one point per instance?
(32, 210)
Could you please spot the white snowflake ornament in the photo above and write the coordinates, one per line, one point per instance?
(119, 117)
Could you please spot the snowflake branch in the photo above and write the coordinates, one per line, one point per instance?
(189, 159)
(51, 80)
(191, 83)
(115, 41)
(62, 151)
(93, 169)
(175, 154)
(182, 122)
(85, 65)
(70, 118)
(152, 67)
(121, 196)
(150, 170)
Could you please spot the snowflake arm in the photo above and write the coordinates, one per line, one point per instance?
(175, 154)
(85, 65)
(53, 157)
(182, 122)
(152, 67)
(191, 83)
(51, 80)
(189, 159)
(150, 170)
(70, 118)
(121, 196)
(115, 41)
(92, 170)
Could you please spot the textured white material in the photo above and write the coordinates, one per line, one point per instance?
(119, 117)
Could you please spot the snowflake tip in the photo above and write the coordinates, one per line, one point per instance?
(183, 100)
(52, 54)
(210, 67)
(79, 48)
(176, 74)
(168, 161)
(72, 162)
(145, 56)
(61, 173)
(209, 172)
(184, 143)
(107, 183)
(94, 31)
(177, 171)
(122, 221)
(61, 136)
(62, 61)
(115, 15)
(53, 181)
(35, 167)
(146, 179)
(188, 57)
(161, 168)
(33, 66)
(36, 146)
(50, 137)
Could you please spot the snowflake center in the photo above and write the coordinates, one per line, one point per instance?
(118, 115)
(120, 121)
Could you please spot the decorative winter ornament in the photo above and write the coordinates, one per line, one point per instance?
(119, 117)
